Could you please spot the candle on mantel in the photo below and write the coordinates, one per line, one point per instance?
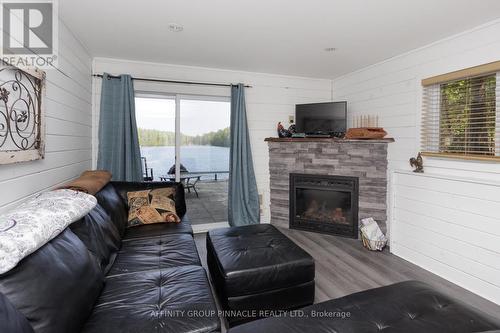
(365, 121)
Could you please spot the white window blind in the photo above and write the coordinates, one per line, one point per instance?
(461, 117)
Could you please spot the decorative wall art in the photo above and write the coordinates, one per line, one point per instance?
(22, 131)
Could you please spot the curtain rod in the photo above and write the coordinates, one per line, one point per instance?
(174, 81)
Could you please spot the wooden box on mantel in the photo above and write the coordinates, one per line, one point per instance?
(366, 133)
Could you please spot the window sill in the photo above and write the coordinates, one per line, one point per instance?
(494, 159)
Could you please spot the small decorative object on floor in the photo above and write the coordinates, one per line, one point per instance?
(373, 238)
(417, 163)
(282, 132)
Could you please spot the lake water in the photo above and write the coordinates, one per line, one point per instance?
(194, 158)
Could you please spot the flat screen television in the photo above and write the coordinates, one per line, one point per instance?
(321, 118)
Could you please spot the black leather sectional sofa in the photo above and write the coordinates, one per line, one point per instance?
(98, 276)
(406, 307)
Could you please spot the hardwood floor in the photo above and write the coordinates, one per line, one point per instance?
(343, 267)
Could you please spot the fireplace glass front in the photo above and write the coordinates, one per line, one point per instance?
(324, 205)
(327, 204)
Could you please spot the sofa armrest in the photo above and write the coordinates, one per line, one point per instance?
(180, 202)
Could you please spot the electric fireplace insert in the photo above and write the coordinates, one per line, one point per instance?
(324, 204)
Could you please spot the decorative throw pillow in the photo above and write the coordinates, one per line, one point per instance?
(151, 206)
(163, 191)
(35, 222)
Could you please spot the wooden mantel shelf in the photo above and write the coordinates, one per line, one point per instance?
(333, 140)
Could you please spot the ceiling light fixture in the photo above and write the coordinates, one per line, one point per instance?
(174, 27)
(330, 49)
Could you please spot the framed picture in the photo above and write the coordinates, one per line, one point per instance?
(22, 128)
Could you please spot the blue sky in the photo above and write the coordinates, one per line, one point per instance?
(197, 117)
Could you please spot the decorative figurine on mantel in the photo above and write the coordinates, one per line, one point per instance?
(286, 133)
(282, 132)
(417, 163)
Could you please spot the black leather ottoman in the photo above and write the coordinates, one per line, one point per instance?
(256, 268)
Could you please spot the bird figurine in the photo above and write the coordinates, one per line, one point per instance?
(417, 163)
(282, 132)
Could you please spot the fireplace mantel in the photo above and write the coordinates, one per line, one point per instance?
(328, 140)
(364, 159)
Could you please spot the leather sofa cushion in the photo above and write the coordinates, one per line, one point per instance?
(152, 301)
(11, 320)
(156, 253)
(114, 205)
(100, 235)
(254, 259)
(55, 287)
(158, 229)
(410, 307)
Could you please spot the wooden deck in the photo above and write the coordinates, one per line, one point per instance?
(211, 206)
(343, 267)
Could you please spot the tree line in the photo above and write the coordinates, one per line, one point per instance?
(151, 137)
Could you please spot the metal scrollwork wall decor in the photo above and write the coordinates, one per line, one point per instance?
(22, 132)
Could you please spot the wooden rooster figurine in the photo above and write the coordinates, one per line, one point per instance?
(417, 163)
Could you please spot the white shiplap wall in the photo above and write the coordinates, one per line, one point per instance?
(450, 226)
(68, 127)
(443, 221)
(272, 98)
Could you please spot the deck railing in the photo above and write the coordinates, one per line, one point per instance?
(195, 174)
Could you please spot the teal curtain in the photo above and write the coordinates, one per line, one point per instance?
(119, 150)
(243, 196)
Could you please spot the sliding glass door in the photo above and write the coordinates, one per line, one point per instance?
(155, 116)
(186, 138)
(204, 128)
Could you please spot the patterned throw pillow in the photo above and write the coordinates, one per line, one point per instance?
(151, 206)
(37, 221)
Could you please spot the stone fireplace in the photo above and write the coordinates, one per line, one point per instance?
(327, 204)
(363, 160)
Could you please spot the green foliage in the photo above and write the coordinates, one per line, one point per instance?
(150, 137)
(467, 117)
